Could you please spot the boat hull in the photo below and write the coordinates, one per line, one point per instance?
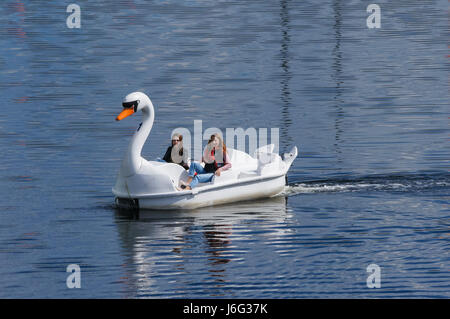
(197, 198)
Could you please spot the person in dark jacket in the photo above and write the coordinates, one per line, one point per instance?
(177, 153)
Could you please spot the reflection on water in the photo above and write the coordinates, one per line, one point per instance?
(170, 244)
(286, 117)
(337, 77)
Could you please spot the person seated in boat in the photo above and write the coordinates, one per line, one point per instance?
(176, 153)
(216, 161)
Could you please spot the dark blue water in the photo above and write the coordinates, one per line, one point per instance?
(368, 109)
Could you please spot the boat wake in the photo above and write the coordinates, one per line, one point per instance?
(388, 183)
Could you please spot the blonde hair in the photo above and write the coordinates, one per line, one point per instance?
(221, 142)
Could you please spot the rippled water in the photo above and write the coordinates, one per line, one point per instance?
(368, 109)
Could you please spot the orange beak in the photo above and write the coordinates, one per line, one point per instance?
(125, 113)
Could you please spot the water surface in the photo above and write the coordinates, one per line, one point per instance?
(368, 109)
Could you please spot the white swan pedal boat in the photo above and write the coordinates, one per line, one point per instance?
(146, 184)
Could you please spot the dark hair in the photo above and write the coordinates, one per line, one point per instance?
(180, 137)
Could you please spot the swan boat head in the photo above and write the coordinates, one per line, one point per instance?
(135, 102)
(137, 176)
